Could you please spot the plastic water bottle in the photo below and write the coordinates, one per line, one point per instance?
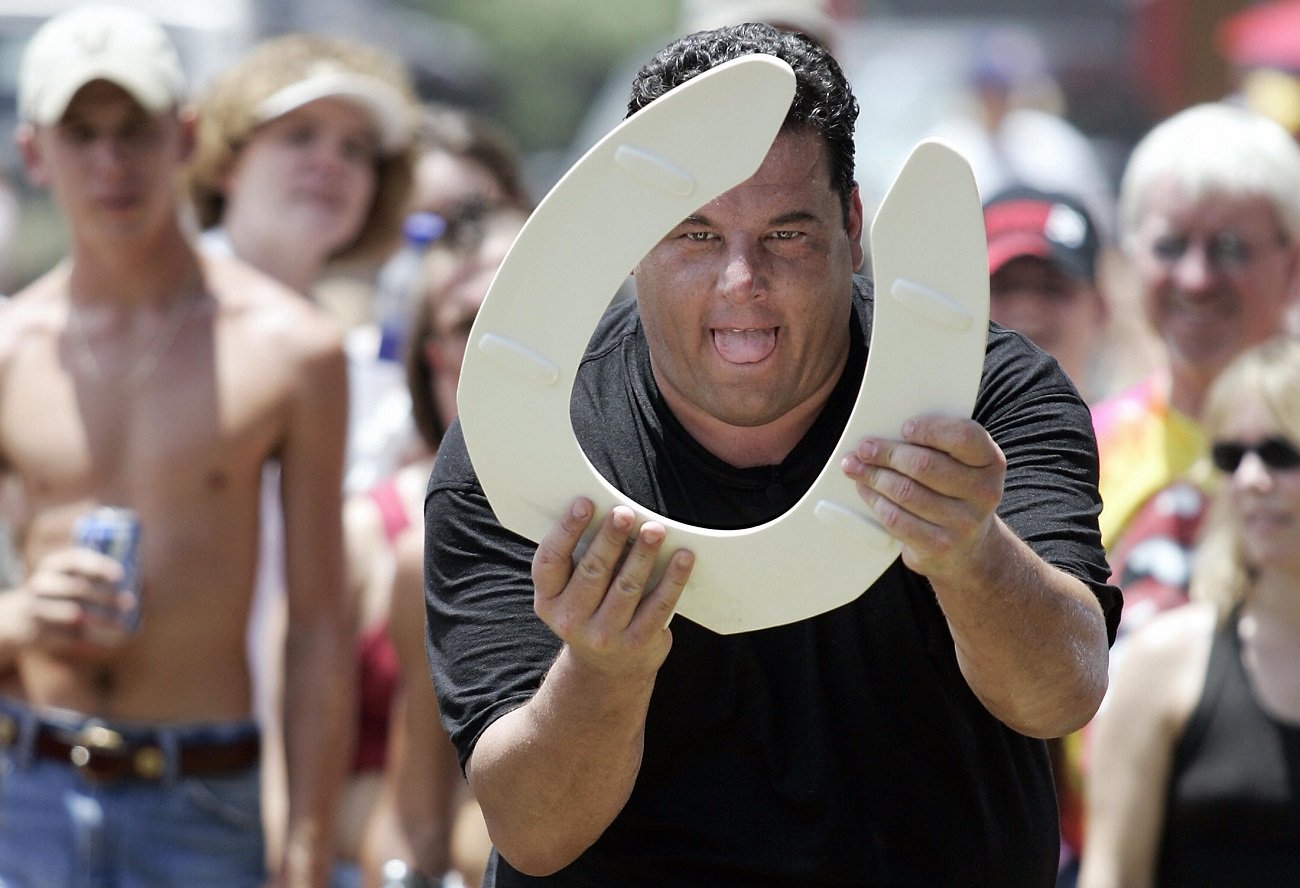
(398, 280)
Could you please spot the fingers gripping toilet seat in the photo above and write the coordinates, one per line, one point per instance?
(660, 165)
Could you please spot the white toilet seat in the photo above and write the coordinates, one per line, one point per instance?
(675, 155)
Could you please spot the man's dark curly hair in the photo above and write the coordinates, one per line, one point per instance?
(822, 102)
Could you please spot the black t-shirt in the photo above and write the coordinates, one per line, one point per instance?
(845, 749)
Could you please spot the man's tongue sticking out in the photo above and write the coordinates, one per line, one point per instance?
(745, 346)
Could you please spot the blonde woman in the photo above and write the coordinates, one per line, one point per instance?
(1193, 778)
(304, 157)
(305, 161)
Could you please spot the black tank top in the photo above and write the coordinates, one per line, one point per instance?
(1232, 810)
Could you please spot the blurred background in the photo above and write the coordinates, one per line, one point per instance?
(553, 73)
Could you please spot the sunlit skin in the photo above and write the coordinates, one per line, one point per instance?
(110, 162)
(1061, 314)
(1205, 313)
(245, 373)
(301, 188)
(745, 305)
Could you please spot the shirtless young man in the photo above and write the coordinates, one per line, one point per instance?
(138, 374)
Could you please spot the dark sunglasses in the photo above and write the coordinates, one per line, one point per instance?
(1276, 453)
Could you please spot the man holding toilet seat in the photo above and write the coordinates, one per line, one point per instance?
(889, 741)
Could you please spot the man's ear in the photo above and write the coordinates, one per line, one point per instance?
(854, 228)
(30, 153)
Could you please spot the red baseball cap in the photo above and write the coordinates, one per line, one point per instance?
(1052, 226)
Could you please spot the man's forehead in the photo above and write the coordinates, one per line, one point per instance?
(102, 95)
(798, 144)
(797, 158)
(1036, 268)
(1207, 205)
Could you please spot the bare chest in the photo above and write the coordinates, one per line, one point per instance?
(205, 417)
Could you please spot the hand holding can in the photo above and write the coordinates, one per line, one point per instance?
(115, 531)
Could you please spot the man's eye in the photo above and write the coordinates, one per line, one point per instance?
(140, 131)
(1169, 248)
(1229, 249)
(785, 235)
(299, 135)
(698, 236)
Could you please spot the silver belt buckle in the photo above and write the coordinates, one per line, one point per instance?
(95, 737)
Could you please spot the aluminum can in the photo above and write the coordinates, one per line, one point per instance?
(115, 531)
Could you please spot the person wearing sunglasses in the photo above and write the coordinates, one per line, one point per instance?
(1210, 219)
(1195, 753)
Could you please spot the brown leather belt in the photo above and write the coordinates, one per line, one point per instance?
(101, 753)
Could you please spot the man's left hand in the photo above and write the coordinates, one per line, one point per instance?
(936, 491)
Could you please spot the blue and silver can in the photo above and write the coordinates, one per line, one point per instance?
(115, 531)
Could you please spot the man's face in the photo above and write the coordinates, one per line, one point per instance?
(746, 302)
(1217, 274)
(109, 163)
(1061, 314)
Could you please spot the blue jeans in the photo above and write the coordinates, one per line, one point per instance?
(345, 874)
(59, 829)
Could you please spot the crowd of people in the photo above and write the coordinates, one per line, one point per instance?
(323, 661)
(267, 721)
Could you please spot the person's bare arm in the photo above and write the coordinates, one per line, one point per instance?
(553, 774)
(14, 629)
(1132, 740)
(412, 819)
(320, 661)
(1030, 639)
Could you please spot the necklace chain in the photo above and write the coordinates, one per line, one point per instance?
(148, 360)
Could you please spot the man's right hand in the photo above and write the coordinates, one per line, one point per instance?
(71, 604)
(602, 606)
(531, 770)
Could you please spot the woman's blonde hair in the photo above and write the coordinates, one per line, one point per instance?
(228, 115)
(1269, 375)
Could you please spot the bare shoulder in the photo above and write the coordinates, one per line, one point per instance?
(1176, 637)
(262, 311)
(1163, 664)
(35, 313)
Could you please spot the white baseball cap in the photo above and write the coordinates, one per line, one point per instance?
(328, 79)
(100, 42)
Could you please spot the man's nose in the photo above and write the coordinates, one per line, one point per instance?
(1193, 270)
(109, 152)
(740, 275)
